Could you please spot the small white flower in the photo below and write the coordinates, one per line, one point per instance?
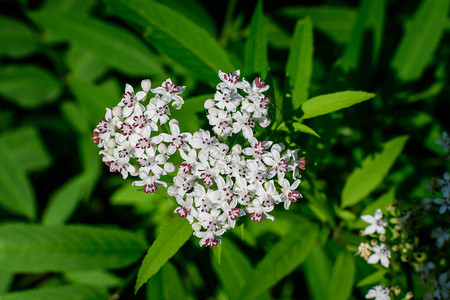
(444, 183)
(379, 293)
(169, 91)
(381, 254)
(444, 202)
(176, 139)
(445, 142)
(441, 287)
(290, 194)
(364, 251)
(376, 223)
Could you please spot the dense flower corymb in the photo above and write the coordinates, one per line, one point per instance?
(215, 184)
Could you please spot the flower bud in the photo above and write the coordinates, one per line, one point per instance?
(209, 104)
(213, 112)
(196, 226)
(111, 143)
(237, 149)
(117, 111)
(162, 148)
(176, 105)
(146, 84)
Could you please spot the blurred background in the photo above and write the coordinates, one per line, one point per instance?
(64, 61)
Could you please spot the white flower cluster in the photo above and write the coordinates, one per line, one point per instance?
(215, 184)
(379, 293)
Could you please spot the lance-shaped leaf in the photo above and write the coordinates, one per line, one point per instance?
(176, 36)
(300, 61)
(421, 39)
(66, 292)
(325, 104)
(317, 265)
(282, 259)
(38, 248)
(168, 242)
(256, 45)
(373, 169)
(118, 47)
(342, 277)
(28, 86)
(17, 39)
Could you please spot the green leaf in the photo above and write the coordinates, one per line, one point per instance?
(422, 36)
(282, 259)
(25, 144)
(116, 46)
(336, 22)
(28, 86)
(75, 117)
(300, 62)
(38, 248)
(370, 20)
(66, 292)
(168, 242)
(372, 279)
(325, 104)
(342, 277)
(317, 265)
(171, 283)
(17, 39)
(65, 200)
(17, 193)
(183, 41)
(93, 277)
(255, 58)
(93, 99)
(277, 37)
(85, 64)
(6, 280)
(374, 168)
(303, 128)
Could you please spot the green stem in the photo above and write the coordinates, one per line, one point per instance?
(223, 40)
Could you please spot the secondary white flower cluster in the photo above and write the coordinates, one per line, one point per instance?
(215, 183)
(381, 252)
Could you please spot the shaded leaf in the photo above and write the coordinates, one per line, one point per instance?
(85, 64)
(28, 86)
(17, 194)
(17, 39)
(171, 283)
(369, 23)
(325, 104)
(277, 37)
(183, 41)
(67, 247)
(342, 277)
(282, 259)
(255, 58)
(168, 242)
(93, 277)
(421, 38)
(372, 279)
(300, 62)
(372, 172)
(67, 292)
(25, 144)
(75, 117)
(116, 46)
(317, 265)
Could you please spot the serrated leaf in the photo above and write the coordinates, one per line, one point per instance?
(255, 55)
(300, 62)
(282, 259)
(325, 104)
(303, 128)
(342, 277)
(17, 194)
(118, 47)
(336, 22)
(168, 242)
(17, 39)
(28, 86)
(374, 168)
(183, 41)
(25, 144)
(38, 248)
(66, 292)
(317, 265)
(370, 20)
(421, 38)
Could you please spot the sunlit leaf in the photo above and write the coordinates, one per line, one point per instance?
(183, 41)
(422, 36)
(255, 58)
(17, 39)
(168, 242)
(282, 259)
(66, 292)
(374, 168)
(118, 47)
(373, 279)
(300, 62)
(342, 277)
(28, 86)
(325, 104)
(66, 247)
(303, 128)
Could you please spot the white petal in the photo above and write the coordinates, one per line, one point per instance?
(146, 84)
